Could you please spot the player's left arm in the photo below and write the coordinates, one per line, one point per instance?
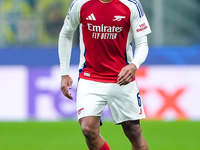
(140, 28)
(127, 73)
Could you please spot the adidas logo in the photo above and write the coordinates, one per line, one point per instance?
(91, 17)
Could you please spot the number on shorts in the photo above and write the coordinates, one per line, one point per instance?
(139, 100)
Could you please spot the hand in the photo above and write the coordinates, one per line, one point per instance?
(127, 74)
(66, 81)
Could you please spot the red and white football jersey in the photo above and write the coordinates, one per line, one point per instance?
(106, 33)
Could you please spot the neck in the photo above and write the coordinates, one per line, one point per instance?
(106, 1)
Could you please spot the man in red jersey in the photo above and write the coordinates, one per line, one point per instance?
(107, 65)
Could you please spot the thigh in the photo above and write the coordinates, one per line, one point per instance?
(126, 104)
(131, 125)
(90, 98)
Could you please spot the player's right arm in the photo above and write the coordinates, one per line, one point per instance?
(66, 81)
(65, 47)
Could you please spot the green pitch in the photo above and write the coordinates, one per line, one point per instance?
(66, 135)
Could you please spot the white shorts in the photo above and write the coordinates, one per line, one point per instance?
(124, 101)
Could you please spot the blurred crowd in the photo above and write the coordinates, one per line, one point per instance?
(31, 22)
(38, 22)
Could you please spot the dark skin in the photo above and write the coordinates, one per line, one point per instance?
(90, 124)
(106, 1)
(66, 81)
(125, 76)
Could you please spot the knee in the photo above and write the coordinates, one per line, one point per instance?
(132, 129)
(89, 132)
(90, 127)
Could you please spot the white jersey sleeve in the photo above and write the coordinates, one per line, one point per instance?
(139, 23)
(141, 51)
(140, 28)
(71, 22)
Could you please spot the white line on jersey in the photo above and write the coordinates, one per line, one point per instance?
(118, 18)
(91, 17)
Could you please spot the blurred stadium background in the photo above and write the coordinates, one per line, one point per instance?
(34, 115)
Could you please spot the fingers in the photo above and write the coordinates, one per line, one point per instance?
(66, 92)
(125, 76)
(68, 95)
(125, 79)
(66, 82)
(70, 84)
